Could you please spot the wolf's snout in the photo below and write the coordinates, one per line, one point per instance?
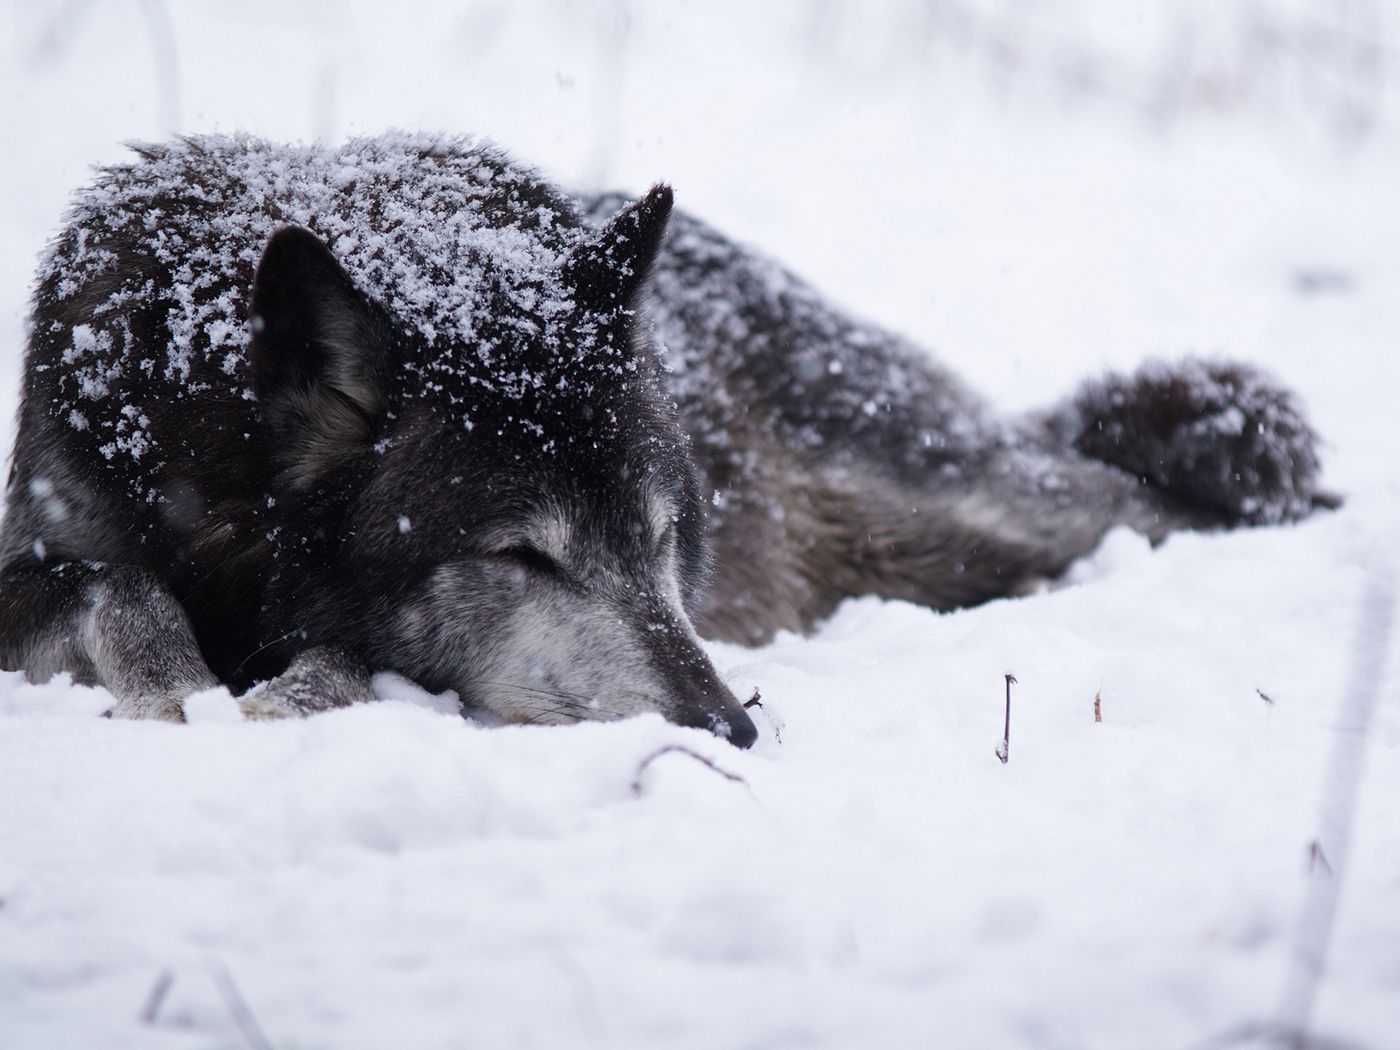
(695, 693)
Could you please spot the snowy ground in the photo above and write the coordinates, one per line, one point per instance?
(394, 876)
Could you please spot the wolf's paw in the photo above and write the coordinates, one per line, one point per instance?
(160, 707)
(266, 703)
(291, 695)
(318, 680)
(1220, 435)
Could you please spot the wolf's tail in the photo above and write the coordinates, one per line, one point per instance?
(1221, 435)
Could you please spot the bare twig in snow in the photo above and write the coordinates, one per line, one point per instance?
(676, 748)
(156, 999)
(1004, 748)
(1316, 857)
(754, 701)
(238, 1009)
(1098, 705)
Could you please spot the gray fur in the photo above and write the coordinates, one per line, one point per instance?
(318, 679)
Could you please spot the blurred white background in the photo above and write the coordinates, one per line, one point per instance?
(981, 173)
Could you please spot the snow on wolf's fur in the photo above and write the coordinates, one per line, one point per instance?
(448, 233)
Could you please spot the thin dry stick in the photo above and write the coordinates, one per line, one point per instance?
(1340, 789)
(1098, 704)
(1004, 748)
(238, 1009)
(154, 1001)
(668, 749)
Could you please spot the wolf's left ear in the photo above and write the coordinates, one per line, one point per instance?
(608, 269)
(319, 355)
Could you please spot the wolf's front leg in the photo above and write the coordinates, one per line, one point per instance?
(319, 678)
(112, 625)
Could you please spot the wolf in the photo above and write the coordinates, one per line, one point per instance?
(296, 414)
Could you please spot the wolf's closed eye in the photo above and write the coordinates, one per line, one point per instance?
(533, 559)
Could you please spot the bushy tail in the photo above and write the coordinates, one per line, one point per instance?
(1220, 435)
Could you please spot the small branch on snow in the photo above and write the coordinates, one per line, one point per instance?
(238, 1008)
(1316, 857)
(156, 999)
(1004, 748)
(754, 701)
(668, 749)
(1098, 705)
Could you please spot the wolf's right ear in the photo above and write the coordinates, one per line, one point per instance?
(318, 354)
(609, 269)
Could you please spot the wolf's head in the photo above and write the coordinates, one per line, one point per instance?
(508, 508)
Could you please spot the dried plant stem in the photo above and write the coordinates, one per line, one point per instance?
(238, 1008)
(677, 749)
(1004, 748)
(156, 999)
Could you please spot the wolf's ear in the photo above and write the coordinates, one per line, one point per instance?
(319, 355)
(609, 268)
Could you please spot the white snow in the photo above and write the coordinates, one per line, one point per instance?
(1033, 197)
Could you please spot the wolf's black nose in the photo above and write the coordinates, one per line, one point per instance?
(742, 731)
(730, 722)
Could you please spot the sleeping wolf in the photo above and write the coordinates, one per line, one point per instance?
(293, 415)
